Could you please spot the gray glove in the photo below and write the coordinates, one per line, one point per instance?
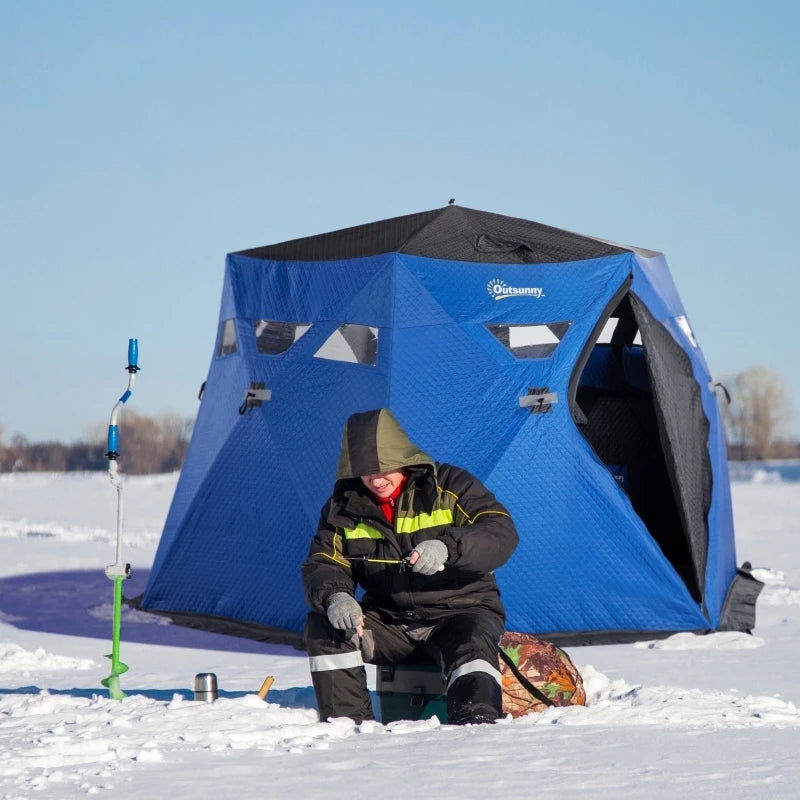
(432, 555)
(344, 613)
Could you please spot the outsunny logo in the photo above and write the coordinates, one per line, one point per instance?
(500, 290)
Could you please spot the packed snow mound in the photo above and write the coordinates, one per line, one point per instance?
(776, 591)
(18, 661)
(720, 640)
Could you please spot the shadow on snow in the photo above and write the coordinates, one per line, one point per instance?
(80, 603)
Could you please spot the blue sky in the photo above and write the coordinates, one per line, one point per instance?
(141, 142)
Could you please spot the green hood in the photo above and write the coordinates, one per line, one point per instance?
(374, 441)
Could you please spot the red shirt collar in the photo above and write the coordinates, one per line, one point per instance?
(386, 504)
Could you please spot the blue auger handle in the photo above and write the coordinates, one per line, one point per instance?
(113, 440)
(133, 352)
(132, 368)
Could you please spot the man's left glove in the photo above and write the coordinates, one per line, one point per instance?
(344, 613)
(432, 555)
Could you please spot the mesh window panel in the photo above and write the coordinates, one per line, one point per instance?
(607, 334)
(530, 341)
(274, 338)
(354, 344)
(608, 331)
(227, 339)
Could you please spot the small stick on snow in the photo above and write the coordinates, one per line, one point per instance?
(268, 681)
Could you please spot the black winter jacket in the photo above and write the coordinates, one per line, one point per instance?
(355, 545)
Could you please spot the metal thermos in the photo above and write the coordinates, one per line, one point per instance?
(205, 687)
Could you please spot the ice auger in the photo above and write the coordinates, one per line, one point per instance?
(118, 571)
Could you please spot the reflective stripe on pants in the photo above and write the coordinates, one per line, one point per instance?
(479, 665)
(335, 661)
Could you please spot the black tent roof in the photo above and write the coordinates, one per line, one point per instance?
(451, 233)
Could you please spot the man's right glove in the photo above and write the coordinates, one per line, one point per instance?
(344, 613)
(431, 556)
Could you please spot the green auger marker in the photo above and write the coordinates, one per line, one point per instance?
(117, 667)
(118, 571)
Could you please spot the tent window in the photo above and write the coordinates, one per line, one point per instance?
(227, 339)
(274, 338)
(607, 334)
(608, 330)
(530, 341)
(355, 344)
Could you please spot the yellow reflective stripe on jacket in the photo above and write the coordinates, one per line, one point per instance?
(362, 531)
(439, 516)
(470, 520)
(337, 544)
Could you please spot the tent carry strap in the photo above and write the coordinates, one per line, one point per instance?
(526, 684)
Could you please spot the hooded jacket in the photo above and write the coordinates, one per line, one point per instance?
(355, 545)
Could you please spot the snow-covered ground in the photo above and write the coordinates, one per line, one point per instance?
(706, 717)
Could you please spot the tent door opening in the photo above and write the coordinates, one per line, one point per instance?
(615, 410)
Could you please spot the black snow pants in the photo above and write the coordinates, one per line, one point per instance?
(463, 643)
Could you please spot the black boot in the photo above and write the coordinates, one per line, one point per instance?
(474, 699)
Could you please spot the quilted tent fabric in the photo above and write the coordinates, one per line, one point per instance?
(473, 321)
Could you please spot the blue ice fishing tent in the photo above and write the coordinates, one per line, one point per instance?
(560, 369)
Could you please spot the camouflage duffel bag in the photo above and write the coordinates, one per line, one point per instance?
(536, 675)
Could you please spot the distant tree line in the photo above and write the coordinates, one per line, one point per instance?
(148, 445)
(756, 412)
